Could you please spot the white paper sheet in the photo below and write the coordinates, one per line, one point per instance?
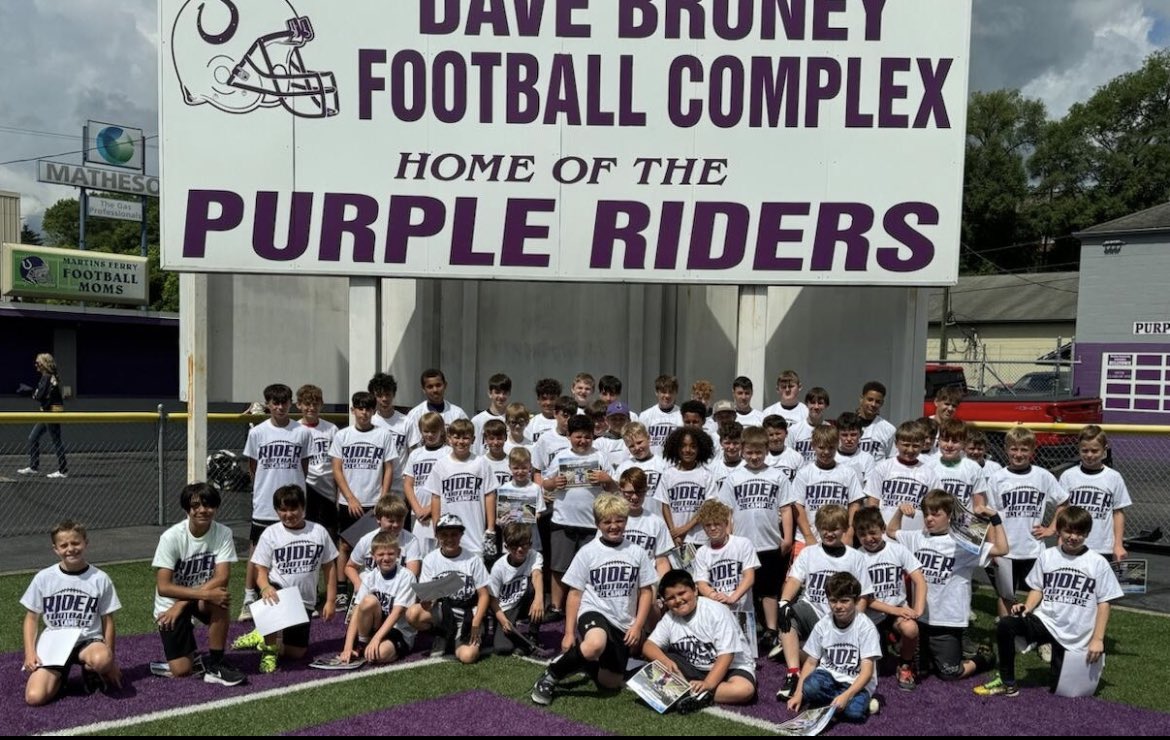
(55, 646)
(288, 612)
(1079, 677)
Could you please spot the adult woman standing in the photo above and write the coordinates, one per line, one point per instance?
(48, 394)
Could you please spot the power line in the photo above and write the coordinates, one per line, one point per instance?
(62, 154)
(1018, 276)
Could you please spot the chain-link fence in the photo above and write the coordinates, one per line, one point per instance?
(126, 469)
(1009, 378)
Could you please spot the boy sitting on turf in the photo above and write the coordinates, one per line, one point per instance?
(390, 514)
(1068, 605)
(700, 640)
(516, 584)
(609, 599)
(379, 632)
(842, 650)
(457, 620)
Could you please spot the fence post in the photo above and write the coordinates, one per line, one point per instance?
(162, 461)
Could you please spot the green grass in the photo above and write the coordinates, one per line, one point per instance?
(1135, 645)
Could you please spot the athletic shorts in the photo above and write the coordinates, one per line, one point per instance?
(616, 654)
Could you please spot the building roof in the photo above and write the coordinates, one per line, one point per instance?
(1150, 220)
(1030, 297)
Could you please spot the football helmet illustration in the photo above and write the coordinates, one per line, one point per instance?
(240, 56)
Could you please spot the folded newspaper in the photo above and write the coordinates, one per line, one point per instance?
(439, 588)
(808, 723)
(658, 687)
(682, 557)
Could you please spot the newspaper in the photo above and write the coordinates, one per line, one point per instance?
(808, 723)
(1132, 575)
(969, 530)
(577, 472)
(747, 623)
(513, 508)
(658, 687)
(683, 557)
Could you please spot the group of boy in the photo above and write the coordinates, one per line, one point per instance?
(799, 494)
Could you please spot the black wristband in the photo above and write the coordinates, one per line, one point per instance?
(996, 520)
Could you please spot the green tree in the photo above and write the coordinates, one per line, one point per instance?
(1003, 128)
(29, 236)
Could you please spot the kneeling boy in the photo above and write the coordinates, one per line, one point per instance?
(379, 622)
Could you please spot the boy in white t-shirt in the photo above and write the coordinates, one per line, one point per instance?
(843, 650)
(700, 640)
(610, 582)
(499, 391)
(1067, 607)
(463, 485)
(193, 566)
(959, 476)
(385, 388)
(70, 594)
(379, 631)
(516, 583)
(822, 482)
(547, 390)
(390, 514)
(664, 417)
(289, 558)
(645, 528)
(725, 567)
(418, 469)
(434, 387)
(904, 478)
(849, 450)
(278, 452)
(320, 489)
(877, 434)
(1101, 491)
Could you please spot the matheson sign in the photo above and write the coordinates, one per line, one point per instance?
(728, 141)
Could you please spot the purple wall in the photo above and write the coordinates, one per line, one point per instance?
(1146, 374)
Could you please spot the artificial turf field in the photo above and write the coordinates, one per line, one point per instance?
(436, 697)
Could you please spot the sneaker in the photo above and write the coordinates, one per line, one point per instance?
(906, 680)
(695, 702)
(245, 612)
(57, 474)
(777, 651)
(28, 471)
(542, 691)
(788, 688)
(249, 641)
(224, 674)
(161, 668)
(874, 706)
(768, 640)
(268, 660)
(1045, 652)
(996, 687)
(553, 614)
(341, 603)
(92, 681)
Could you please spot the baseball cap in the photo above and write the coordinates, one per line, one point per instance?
(449, 521)
(722, 406)
(617, 407)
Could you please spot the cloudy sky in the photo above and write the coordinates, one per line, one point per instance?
(69, 60)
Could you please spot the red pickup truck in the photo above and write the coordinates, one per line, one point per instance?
(1015, 405)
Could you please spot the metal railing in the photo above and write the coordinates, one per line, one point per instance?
(126, 468)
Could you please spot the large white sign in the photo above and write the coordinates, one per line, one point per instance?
(97, 178)
(749, 141)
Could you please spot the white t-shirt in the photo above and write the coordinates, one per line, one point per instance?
(418, 467)
(614, 449)
(720, 470)
(814, 567)
(462, 487)
(511, 497)
(649, 531)
(1073, 587)
(800, 439)
(708, 633)
(990, 467)
(191, 560)
(1020, 498)
(796, 415)
(278, 452)
(887, 569)
(947, 569)
(294, 557)
(510, 444)
(756, 499)
(478, 421)
(752, 418)
(877, 438)
(320, 476)
(787, 461)
(962, 480)
(450, 413)
(1100, 493)
(547, 447)
(684, 491)
(391, 589)
(508, 582)
(72, 600)
(651, 466)
(468, 566)
(363, 456)
(660, 424)
(723, 568)
(397, 426)
(861, 461)
(894, 484)
(840, 651)
(500, 469)
(816, 487)
(538, 425)
(609, 578)
(363, 557)
(574, 504)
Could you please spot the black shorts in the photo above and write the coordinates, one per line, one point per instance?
(179, 640)
(566, 541)
(946, 649)
(345, 520)
(691, 672)
(396, 638)
(770, 575)
(616, 654)
(298, 635)
(806, 618)
(258, 527)
(74, 657)
(322, 509)
(1020, 571)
